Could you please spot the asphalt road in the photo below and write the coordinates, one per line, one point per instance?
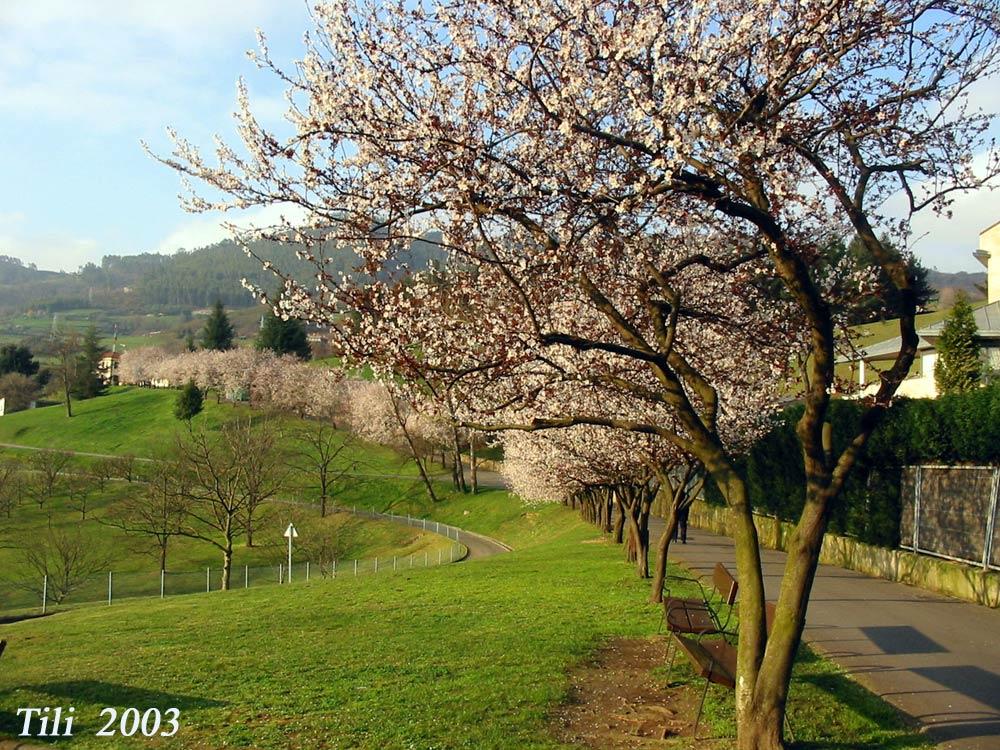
(480, 546)
(935, 658)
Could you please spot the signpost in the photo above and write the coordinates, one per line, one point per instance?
(290, 534)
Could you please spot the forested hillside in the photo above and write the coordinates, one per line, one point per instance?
(186, 280)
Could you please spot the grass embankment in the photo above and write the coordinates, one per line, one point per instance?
(466, 656)
(140, 422)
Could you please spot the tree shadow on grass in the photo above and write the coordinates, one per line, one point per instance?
(98, 694)
(896, 743)
(110, 694)
(855, 699)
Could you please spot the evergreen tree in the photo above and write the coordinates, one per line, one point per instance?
(959, 366)
(189, 402)
(887, 301)
(218, 331)
(284, 336)
(88, 380)
(14, 358)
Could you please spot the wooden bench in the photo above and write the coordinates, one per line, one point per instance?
(715, 661)
(703, 616)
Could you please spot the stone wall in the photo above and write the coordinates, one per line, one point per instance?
(943, 576)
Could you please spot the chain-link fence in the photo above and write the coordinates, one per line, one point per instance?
(951, 512)
(43, 593)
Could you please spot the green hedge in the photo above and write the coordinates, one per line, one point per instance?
(952, 429)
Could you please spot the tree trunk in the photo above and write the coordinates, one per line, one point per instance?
(322, 505)
(761, 730)
(459, 469)
(619, 520)
(227, 565)
(473, 467)
(634, 542)
(752, 638)
(660, 567)
(249, 528)
(764, 721)
(69, 405)
(163, 552)
(415, 453)
(426, 479)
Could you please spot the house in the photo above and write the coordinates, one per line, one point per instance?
(920, 382)
(107, 367)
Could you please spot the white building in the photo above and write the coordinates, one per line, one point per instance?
(920, 382)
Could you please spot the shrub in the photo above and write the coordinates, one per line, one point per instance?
(954, 429)
(189, 402)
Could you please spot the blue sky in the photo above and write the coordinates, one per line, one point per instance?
(83, 81)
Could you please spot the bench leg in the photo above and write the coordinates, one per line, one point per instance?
(701, 706)
(672, 651)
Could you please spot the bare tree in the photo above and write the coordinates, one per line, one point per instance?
(64, 559)
(11, 488)
(11, 493)
(79, 489)
(320, 457)
(124, 467)
(155, 510)
(212, 492)
(67, 348)
(262, 465)
(47, 466)
(103, 471)
(225, 479)
(327, 541)
(19, 390)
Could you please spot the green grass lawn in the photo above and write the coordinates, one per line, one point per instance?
(466, 656)
(140, 422)
(474, 655)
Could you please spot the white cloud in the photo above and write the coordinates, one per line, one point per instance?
(203, 231)
(110, 64)
(51, 252)
(948, 243)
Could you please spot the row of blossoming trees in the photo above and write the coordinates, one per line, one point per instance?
(287, 384)
(634, 198)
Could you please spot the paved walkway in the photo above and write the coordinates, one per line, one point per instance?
(478, 546)
(935, 658)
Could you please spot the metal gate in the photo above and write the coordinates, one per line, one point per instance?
(951, 512)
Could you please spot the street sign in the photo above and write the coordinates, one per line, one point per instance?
(290, 534)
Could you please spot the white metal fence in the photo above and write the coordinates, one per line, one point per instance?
(41, 594)
(951, 512)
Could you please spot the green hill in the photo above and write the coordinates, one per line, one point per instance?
(466, 656)
(474, 655)
(140, 422)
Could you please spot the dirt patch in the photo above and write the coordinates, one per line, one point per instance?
(616, 702)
